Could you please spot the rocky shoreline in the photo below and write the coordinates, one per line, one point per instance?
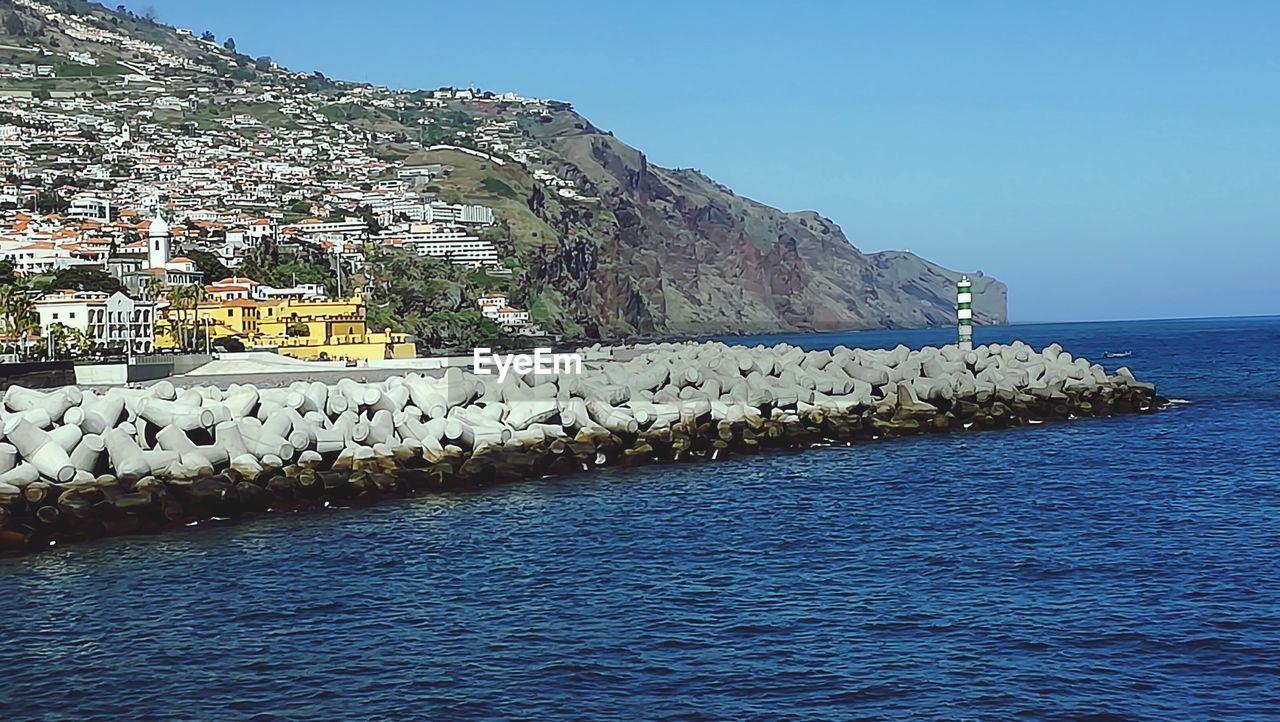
(78, 464)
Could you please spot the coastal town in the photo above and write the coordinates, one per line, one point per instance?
(151, 203)
(818, 361)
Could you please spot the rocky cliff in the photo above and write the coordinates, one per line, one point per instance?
(670, 251)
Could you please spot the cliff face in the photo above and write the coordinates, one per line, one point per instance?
(674, 252)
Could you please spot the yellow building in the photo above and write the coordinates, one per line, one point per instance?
(323, 329)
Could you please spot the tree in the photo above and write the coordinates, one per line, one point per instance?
(263, 63)
(230, 344)
(85, 278)
(152, 289)
(6, 272)
(207, 36)
(297, 329)
(461, 328)
(184, 304)
(17, 313)
(209, 264)
(66, 341)
(230, 44)
(427, 297)
(50, 201)
(370, 220)
(265, 265)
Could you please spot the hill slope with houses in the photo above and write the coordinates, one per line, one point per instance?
(428, 199)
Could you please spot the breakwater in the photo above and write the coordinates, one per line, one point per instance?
(78, 464)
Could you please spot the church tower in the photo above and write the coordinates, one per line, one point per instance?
(158, 243)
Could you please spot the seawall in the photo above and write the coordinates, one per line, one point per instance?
(37, 374)
(77, 464)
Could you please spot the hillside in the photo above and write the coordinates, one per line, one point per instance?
(603, 243)
(714, 262)
(669, 252)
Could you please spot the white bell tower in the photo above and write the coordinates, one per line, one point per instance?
(158, 243)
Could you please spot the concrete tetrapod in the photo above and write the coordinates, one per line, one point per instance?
(169, 455)
(40, 449)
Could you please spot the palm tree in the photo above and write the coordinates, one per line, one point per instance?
(198, 296)
(66, 340)
(152, 288)
(17, 313)
(183, 303)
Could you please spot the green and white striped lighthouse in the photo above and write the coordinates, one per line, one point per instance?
(964, 314)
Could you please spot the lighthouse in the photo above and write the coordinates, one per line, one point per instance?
(158, 243)
(964, 314)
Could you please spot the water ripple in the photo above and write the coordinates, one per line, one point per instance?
(1123, 569)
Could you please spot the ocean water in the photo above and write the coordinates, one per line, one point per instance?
(1116, 569)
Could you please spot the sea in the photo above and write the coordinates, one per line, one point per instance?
(1109, 569)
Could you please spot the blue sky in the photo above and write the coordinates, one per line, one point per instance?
(1106, 160)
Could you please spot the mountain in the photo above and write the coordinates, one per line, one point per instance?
(653, 251)
(706, 260)
(601, 242)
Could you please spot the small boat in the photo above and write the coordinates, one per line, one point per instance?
(1117, 354)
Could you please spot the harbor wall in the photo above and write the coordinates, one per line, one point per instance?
(37, 374)
(80, 463)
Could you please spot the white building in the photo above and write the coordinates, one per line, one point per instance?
(458, 249)
(158, 243)
(506, 316)
(114, 321)
(302, 291)
(86, 206)
(418, 173)
(312, 226)
(457, 213)
(230, 289)
(39, 257)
